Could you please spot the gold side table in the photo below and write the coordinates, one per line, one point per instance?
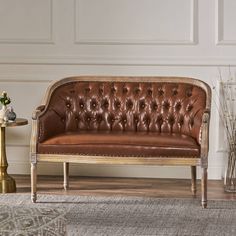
(7, 183)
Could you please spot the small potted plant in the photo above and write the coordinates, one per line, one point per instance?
(5, 100)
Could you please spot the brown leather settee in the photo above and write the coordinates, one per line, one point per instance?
(123, 120)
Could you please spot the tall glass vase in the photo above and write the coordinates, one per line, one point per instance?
(230, 173)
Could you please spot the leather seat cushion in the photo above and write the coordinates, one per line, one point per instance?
(139, 144)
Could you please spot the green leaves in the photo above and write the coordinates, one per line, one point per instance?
(4, 99)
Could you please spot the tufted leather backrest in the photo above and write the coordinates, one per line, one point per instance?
(159, 106)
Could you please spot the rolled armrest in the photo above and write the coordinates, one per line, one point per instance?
(49, 124)
(46, 123)
(37, 112)
(34, 133)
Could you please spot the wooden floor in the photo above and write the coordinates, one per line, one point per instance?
(171, 188)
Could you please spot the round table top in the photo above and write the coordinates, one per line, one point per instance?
(16, 122)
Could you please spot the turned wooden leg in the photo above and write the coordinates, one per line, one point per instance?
(193, 180)
(204, 187)
(33, 182)
(66, 175)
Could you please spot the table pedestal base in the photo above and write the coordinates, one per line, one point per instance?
(7, 184)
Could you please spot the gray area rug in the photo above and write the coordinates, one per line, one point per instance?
(116, 216)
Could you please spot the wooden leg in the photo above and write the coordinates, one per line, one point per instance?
(33, 182)
(193, 180)
(66, 175)
(204, 187)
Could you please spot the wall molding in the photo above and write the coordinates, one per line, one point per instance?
(193, 37)
(49, 40)
(11, 79)
(17, 145)
(219, 19)
(119, 61)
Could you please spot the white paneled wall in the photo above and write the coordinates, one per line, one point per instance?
(42, 41)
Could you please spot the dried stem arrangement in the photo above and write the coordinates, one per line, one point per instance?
(227, 113)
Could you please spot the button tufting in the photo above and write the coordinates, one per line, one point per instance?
(117, 104)
(178, 106)
(191, 122)
(129, 104)
(149, 92)
(160, 92)
(124, 119)
(154, 106)
(175, 92)
(147, 119)
(142, 104)
(105, 104)
(137, 90)
(181, 120)
(136, 119)
(189, 92)
(166, 105)
(125, 90)
(171, 119)
(189, 107)
(159, 119)
(87, 90)
(88, 117)
(100, 91)
(99, 118)
(111, 119)
(81, 105)
(113, 90)
(93, 104)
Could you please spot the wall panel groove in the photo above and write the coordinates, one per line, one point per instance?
(127, 40)
(221, 25)
(20, 15)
